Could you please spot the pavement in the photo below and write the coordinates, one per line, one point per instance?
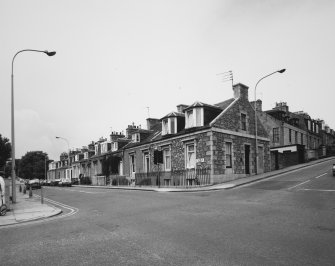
(226, 185)
(29, 209)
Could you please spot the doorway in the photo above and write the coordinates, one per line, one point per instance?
(247, 158)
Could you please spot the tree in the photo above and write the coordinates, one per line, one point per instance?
(5, 151)
(33, 165)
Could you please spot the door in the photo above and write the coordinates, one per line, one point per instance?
(146, 163)
(247, 159)
(132, 166)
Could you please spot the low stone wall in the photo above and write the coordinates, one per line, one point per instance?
(98, 181)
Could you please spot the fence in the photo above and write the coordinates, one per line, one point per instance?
(184, 178)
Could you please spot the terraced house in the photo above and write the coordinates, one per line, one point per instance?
(200, 143)
(294, 136)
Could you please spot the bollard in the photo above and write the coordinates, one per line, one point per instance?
(30, 192)
(24, 190)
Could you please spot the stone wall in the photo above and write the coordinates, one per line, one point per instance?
(231, 119)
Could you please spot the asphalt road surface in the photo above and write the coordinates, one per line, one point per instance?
(285, 220)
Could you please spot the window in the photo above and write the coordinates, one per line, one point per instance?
(136, 137)
(86, 155)
(114, 146)
(173, 125)
(189, 118)
(165, 126)
(198, 117)
(146, 162)
(132, 163)
(290, 135)
(104, 147)
(96, 148)
(276, 135)
(194, 118)
(167, 159)
(190, 156)
(228, 155)
(244, 121)
(302, 138)
(296, 137)
(169, 126)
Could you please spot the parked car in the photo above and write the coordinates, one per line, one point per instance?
(65, 183)
(54, 182)
(334, 169)
(33, 183)
(75, 181)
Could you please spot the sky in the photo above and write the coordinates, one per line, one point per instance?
(120, 62)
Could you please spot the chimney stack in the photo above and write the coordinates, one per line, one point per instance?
(151, 122)
(240, 91)
(181, 107)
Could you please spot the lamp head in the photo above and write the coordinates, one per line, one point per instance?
(50, 53)
(282, 70)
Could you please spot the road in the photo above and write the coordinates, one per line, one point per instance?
(285, 220)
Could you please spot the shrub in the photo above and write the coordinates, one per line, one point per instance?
(85, 180)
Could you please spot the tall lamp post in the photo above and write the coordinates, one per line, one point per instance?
(255, 106)
(12, 120)
(68, 147)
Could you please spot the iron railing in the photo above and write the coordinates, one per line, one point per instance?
(183, 178)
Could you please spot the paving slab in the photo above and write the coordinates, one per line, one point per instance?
(28, 209)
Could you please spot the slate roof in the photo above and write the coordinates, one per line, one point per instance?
(200, 104)
(223, 105)
(173, 114)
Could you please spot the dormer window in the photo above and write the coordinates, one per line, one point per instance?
(114, 146)
(86, 155)
(194, 117)
(104, 147)
(169, 126)
(136, 137)
(76, 157)
(96, 149)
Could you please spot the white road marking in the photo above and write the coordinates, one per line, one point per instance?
(321, 175)
(300, 184)
(307, 181)
(82, 191)
(322, 190)
(73, 210)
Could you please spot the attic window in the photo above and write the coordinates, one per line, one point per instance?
(136, 137)
(169, 126)
(114, 146)
(195, 118)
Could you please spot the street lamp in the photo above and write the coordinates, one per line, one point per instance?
(68, 146)
(255, 106)
(12, 120)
